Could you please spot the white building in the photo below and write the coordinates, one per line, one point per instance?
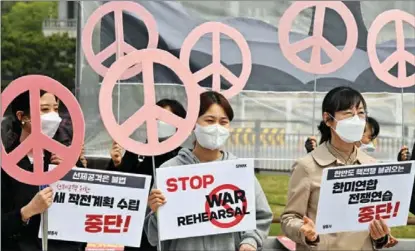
(66, 21)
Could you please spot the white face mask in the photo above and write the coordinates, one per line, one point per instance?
(351, 130)
(369, 148)
(50, 123)
(165, 130)
(211, 137)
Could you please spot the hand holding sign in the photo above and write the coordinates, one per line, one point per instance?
(378, 229)
(39, 204)
(156, 199)
(309, 229)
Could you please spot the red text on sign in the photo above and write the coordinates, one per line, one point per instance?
(194, 182)
(382, 211)
(97, 223)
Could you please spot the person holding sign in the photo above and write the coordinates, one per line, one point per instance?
(22, 204)
(132, 163)
(212, 132)
(344, 120)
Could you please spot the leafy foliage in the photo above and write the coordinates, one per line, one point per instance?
(25, 50)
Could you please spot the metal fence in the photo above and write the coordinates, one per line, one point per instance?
(270, 145)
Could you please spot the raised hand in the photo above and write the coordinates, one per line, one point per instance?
(116, 154)
(310, 144)
(404, 154)
(309, 229)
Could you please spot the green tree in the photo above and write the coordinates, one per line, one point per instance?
(25, 50)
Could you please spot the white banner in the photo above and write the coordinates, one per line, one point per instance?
(361, 194)
(206, 199)
(99, 207)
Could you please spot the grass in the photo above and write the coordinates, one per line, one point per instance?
(276, 187)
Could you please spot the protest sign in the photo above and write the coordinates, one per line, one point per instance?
(361, 194)
(206, 199)
(99, 207)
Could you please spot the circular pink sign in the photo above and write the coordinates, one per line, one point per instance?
(317, 42)
(400, 56)
(119, 46)
(150, 112)
(216, 69)
(37, 141)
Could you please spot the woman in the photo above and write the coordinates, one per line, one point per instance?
(366, 143)
(212, 132)
(132, 163)
(344, 120)
(22, 204)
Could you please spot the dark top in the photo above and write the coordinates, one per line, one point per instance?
(412, 205)
(131, 163)
(15, 235)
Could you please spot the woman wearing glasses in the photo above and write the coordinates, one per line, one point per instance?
(343, 124)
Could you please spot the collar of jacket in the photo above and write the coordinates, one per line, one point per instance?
(324, 157)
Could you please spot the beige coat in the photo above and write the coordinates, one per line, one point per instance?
(303, 195)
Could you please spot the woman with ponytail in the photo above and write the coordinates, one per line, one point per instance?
(343, 123)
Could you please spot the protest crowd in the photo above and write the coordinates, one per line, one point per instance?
(346, 136)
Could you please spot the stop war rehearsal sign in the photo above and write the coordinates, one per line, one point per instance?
(361, 194)
(206, 199)
(99, 207)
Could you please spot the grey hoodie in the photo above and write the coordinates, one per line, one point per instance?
(219, 242)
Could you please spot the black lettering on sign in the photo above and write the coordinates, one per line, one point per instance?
(240, 165)
(204, 217)
(225, 198)
(59, 197)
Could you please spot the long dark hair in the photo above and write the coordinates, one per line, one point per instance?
(207, 99)
(338, 99)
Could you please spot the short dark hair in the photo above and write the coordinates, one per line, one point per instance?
(207, 99)
(174, 105)
(338, 99)
(373, 123)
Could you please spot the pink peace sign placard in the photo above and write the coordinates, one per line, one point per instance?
(149, 112)
(37, 141)
(216, 69)
(317, 42)
(400, 56)
(119, 46)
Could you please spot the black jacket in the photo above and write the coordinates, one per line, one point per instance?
(15, 235)
(412, 205)
(131, 163)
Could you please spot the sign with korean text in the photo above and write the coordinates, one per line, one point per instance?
(206, 199)
(99, 207)
(361, 194)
